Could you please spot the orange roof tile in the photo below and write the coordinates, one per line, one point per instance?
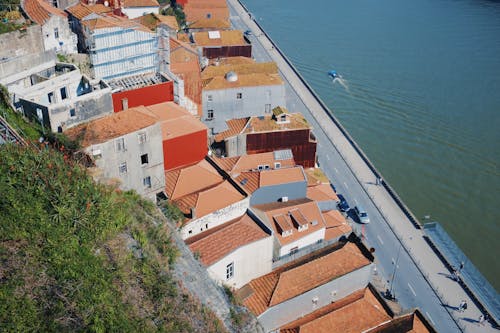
(210, 200)
(215, 245)
(207, 3)
(237, 164)
(152, 21)
(81, 10)
(235, 127)
(226, 38)
(240, 69)
(350, 315)
(226, 163)
(336, 225)
(296, 121)
(281, 176)
(249, 181)
(195, 13)
(309, 210)
(191, 179)
(248, 80)
(110, 127)
(413, 322)
(175, 120)
(215, 24)
(140, 3)
(321, 192)
(233, 61)
(40, 11)
(291, 281)
(114, 21)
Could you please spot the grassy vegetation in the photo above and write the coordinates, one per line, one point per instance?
(176, 10)
(79, 256)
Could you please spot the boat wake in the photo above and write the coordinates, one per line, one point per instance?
(342, 82)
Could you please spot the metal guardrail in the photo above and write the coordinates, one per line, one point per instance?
(472, 280)
(8, 134)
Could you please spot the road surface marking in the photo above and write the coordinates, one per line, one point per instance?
(327, 157)
(412, 291)
(430, 318)
(337, 171)
(380, 240)
(346, 186)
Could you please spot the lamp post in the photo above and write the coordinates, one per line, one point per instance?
(390, 292)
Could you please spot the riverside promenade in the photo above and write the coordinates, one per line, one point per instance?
(406, 261)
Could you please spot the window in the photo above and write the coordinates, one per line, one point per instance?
(64, 95)
(267, 108)
(263, 167)
(142, 137)
(56, 33)
(51, 97)
(277, 165)
(123, 167)
(229, 271)
(209, 15)
(72, 112)
(210, 98)
(120, 144)
(294, 250)
(144, 159)
(210, 114)
(239, 95)
(147, 182)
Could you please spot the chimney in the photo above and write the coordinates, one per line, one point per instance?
(193, 213)
(124, 103)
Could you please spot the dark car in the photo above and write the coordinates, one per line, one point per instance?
(248, 33)
(342, 203)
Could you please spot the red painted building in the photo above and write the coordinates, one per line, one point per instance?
(184, 136)
(143, 89)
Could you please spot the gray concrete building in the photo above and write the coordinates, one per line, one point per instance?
(231, 91)
(61, 97)
(127, 150)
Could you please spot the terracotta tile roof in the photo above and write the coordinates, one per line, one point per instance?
(296, 121)
(237, 164)
(114, 21)
(309, 209)
(233, 61)
(336, 225)
(240, 69)
(321, 192)
(410, 323)
(249, 181)
(40, 11)
(316, 176)
(349, 315)
(213, 246)
(281, 176)
(175, 120)
(207, 3)
(215, 24)
(249, 80)
(111, 126)
(152, 21)
(140, 3)
(210, 200)
(226, 38)
(191, 179)
(81, 10)
(235, 127)
(198, 11)
(290, 281)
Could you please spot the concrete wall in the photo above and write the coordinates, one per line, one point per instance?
(133, 12)
(302, 305)
(66, 41)
(13, 73)
(236, 145)
(111, 158)
(226, 106)
(327, 205)
(307, 240)
(19, 43)
(221, 216)
(250, 261)
(268, 194)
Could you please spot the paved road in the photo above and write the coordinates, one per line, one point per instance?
(420, 278)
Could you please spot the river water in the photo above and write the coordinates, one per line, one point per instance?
(421, 96)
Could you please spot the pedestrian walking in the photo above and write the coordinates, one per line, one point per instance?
(461, 266)
(481, 320)
(462, 306)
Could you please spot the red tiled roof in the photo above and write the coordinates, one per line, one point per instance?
(309, 210)
(140, 3)
(354, 313)
(40, 11)
(213, 246)
(111, 126)
(226, 38)
(237, 164)
(81, 10)
(281, 176)
(321, 192)
(291, 281)
(249, 181)
(336, 225)
(235, 127)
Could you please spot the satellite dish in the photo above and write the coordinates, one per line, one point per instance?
(106, 3)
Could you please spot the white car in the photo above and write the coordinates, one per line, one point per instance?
(361, 214)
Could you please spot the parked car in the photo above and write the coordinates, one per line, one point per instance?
(342, 203)
(361, 214)
(248, 33)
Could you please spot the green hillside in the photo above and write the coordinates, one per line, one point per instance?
(79, 256)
